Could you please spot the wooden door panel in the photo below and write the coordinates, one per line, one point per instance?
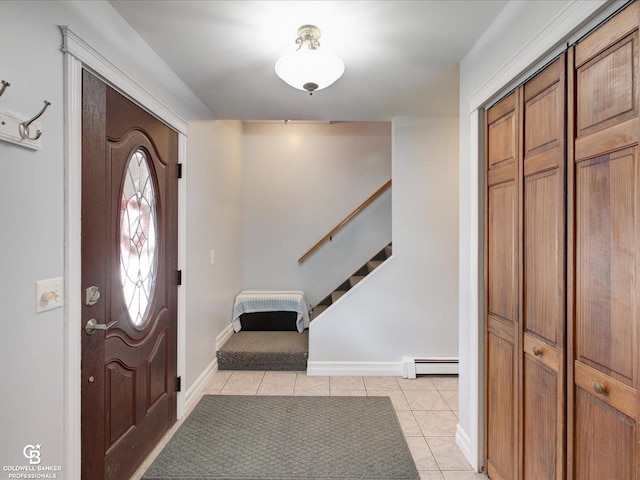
(120, 412)
(606, 92)
(501, 141)
(544, 255)
(604, 198)
(542, 120)
(503, 273)
(157, 367)
(606, 440)
(501, 403)
(606, 329)
(615, 393)
(502, 250)
(540, 420)
(543, 276)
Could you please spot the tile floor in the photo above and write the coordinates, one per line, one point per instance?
(427, 409)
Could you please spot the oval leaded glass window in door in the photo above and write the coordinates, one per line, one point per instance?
(138, 240)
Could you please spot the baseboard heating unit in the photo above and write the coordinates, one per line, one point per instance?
(429, 366)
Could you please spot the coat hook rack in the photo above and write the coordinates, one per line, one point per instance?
(4, 86)
(24, 126)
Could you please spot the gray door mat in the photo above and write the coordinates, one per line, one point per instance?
(265, 351)
(287, 438)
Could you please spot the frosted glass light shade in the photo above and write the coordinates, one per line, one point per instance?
(309, 66)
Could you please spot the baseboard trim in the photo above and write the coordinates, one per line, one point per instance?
(392, 369)
(464, 443)
(193, 393)
(224, 336)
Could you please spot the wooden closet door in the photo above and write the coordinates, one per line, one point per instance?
(604, 194)
(543, 287)
(502, 235)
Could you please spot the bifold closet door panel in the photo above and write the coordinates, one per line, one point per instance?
(543, 288)
(606, 229)
(502, 226)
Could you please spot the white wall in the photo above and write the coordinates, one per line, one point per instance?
(523, 34)
(32, 211)
(214, 222)
(301, 180)
(408, 307)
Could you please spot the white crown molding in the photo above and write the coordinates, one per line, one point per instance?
(571, 17)
(74, 45)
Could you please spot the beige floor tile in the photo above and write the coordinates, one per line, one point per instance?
(317, 392)
(275, 390)
(215, 391)
(445, 382)
(447, 453)
(430, 475)
(244, 380)
(464, 476)
(278, 380)
(425, 400)
(397, 398)
(304, 382)
(437, 423)
(348, 393)
(218, 380)
(421, 454)
(451, 397)
(346, 383)
(420, 383)
(280, 376)
(381, 383)
(239, 391)
(408, 424)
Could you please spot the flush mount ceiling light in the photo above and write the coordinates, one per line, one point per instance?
(309, 68)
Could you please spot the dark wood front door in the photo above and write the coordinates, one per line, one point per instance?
(129, 267)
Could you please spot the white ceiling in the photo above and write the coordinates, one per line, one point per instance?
(401, 57)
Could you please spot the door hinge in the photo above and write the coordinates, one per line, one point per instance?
(179, 277)
(179, 170)
(178, 384)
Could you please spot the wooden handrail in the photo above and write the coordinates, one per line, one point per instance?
(347, 219)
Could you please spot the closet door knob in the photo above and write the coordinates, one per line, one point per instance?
(599, 388)
(537, 351)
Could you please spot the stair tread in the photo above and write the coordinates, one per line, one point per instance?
(355, 279)
(373, 264)
(318, 309)
(335, 295)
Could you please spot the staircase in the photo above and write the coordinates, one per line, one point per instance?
(353, 280)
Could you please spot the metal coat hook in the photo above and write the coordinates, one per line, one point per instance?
(4, 86)
(24, 126)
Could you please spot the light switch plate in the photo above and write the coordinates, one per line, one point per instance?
(49, 294)
(213, 257)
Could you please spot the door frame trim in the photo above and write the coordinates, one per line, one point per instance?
(78, 55)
